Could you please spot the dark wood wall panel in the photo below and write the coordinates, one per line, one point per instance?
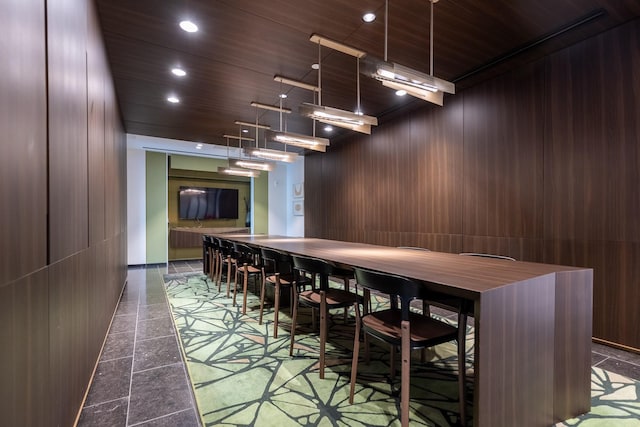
(55, 310)
(593, 142)
(23, 138)
(24, 359)
(541, 164)
(67, 73)
(503, 156)
(96, 132)
(70, 362)
(592, 170)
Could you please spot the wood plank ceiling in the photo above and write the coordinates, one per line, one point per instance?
(242, 44)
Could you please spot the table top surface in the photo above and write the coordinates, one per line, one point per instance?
(466, 276)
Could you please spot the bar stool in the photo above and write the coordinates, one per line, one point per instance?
(402, 328)
(321, 298)
(225, 259)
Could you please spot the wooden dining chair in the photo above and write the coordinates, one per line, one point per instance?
(319, 296)
(246, 263)
(225, 259)
(277, 271)
(398, 326)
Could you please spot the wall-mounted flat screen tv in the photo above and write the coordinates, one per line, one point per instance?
(202, 203)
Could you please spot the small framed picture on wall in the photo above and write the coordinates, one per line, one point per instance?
(298, 190)
(298, 207)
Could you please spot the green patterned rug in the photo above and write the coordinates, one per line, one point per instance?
(242, 376)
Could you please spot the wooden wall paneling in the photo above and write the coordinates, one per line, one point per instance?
(593, 141)
(111, 157)
(592, 168)
(23, 163)
(313, 195)
(24, 360)
(438, 166)
(67, 77)
(503, 155)
(522, 249)
(71, 364)
(96, 66)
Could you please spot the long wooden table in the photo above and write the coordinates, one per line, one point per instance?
(533, 323)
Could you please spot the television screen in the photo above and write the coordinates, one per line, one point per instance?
(202, 203)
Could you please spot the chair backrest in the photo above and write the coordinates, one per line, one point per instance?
(276, 262)
(314, 266)
(226, 247)
(395, 286)
(245, 254)
(508, 258)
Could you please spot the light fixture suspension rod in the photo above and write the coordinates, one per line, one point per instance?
(358, 83)
(431, 39)
(386, 25)
(319, 74)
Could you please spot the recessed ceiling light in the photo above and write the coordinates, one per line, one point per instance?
(283, 95)
(173, 99)
(178, 72)
(245, 130)
(328, 128)
(198, 146)
(315, 66)
(401, 92)
(188, 26)
(369, 17)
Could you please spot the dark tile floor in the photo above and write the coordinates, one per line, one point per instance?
(141, 378)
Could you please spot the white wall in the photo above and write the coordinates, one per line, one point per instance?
(282, 222)
(136, 207)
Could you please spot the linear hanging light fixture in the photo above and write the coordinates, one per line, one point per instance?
(268, 154)
(299, 140)
(296, 139)
(415, 83)
(270, 107)
(252, 125)
(333, 116)
(228, 170)
(252, 164)
(296, 83)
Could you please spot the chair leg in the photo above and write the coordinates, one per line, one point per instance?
(293, 320)
(462, 366)
(392, 363)
(262, 292)
(354, 360)
(276, 308)
(219, 272)
(245, 289)
(426, 311)
(228, 275)
(323, 330)
(406, 367)
(235, 285)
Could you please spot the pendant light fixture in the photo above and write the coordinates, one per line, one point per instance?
(268, 154)
(250, 163)
(398, 77)
(333, 116)
(228, 170)
(296, 139)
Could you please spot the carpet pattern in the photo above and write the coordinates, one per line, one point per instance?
(242, 376)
